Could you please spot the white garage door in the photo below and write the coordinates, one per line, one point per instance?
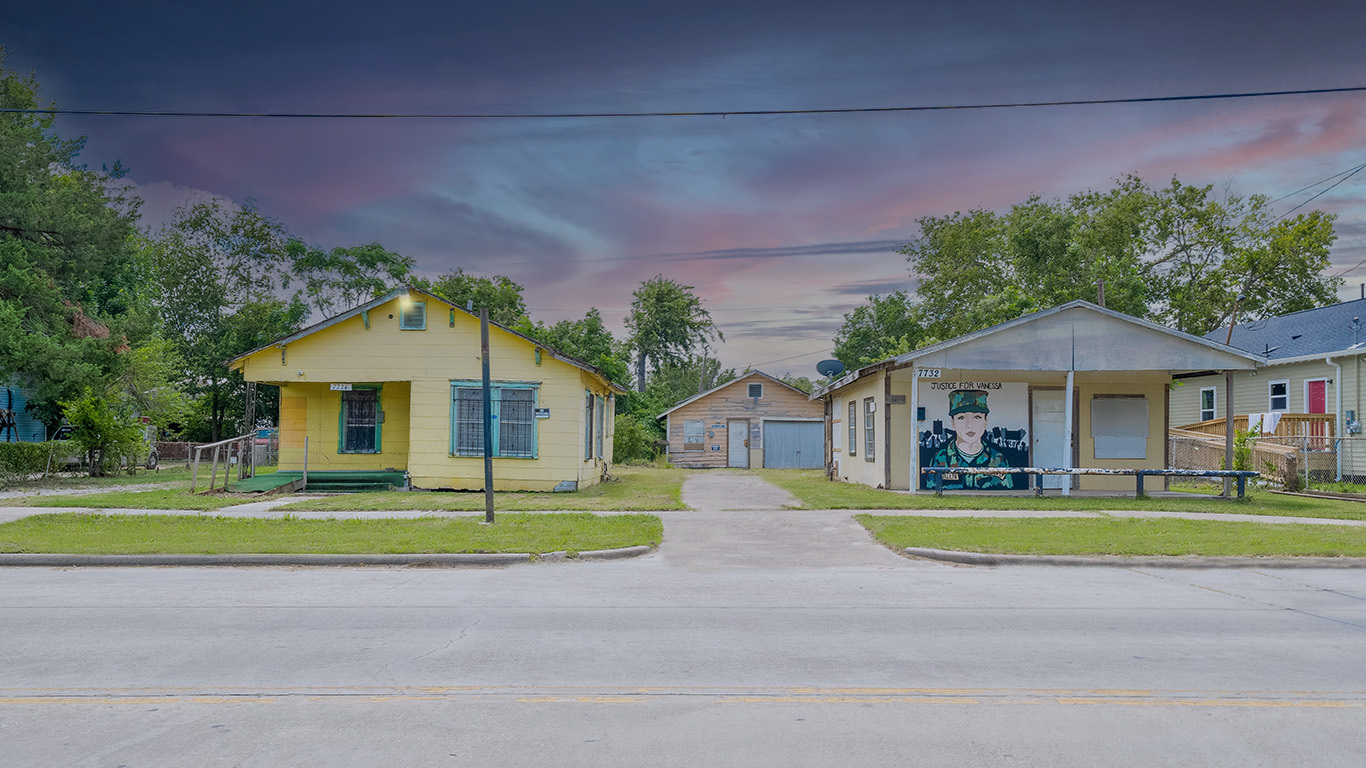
(794, 444)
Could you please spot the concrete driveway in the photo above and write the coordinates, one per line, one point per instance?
(738, 520)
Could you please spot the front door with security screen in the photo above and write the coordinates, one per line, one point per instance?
(737, 440)
(1047, 447)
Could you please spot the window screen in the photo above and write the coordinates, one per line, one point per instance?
(1119, 427)
(692, 435)
(1207, 404)
(360, 423)
(869, 430)
(587, 425)
(756, 390)
(413, 317)
(601, 414)
(1280, 396)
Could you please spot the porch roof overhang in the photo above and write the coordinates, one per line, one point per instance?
(1078, 336)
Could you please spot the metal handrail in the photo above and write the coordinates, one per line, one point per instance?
(241, 465)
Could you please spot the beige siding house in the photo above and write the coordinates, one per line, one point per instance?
(1075, 386)
(1311, 384)
(753, 421)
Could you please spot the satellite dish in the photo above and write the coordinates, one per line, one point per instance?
(829, 368)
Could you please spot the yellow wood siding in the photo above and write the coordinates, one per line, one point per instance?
(416, 369)
(729, 403)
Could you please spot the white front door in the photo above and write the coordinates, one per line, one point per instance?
(737, 439)
(1046, 449)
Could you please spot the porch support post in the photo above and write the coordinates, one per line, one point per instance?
(915, 432)
(1228, 428)
(1067, 431)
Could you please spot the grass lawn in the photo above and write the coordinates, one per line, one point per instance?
(161, 499)
(815, 492)
(1115, 536)
(76, 533)
(636, 488)
(175, 474)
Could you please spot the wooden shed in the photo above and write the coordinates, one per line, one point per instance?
(753, 421)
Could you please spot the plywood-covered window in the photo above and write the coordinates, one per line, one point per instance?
(1208, 401)
(513, 414)
(358, 427)
(693, 435)
(869, 429)
(1119, 427)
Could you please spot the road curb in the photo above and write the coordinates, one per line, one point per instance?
(614, 554)
(442, 559)
(1173, 561)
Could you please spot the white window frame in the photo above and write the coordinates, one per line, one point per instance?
(1214, 400)
(1327, 405)
(1271, 398)
(403, 317)
(869, 429)
(700, 444)
(853, 426)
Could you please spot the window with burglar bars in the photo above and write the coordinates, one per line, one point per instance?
(853, 427)
(513, 415)
(359, 421)
(598, 425)
(869, 430)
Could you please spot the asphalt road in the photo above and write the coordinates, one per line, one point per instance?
(751, 638)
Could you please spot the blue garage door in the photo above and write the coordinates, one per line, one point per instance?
(794, 444)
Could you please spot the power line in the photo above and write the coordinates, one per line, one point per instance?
(671, 113)
(785, 359)
(1320, 193)
(1315, 184)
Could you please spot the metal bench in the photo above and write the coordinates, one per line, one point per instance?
(1240, 475)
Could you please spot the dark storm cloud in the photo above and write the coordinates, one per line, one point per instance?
(817, 249)
(870, 287)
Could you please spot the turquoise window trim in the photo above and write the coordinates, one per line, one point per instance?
(401, 317)
(497, 387)
(379, 419)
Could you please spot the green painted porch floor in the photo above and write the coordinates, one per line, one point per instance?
(322, 482)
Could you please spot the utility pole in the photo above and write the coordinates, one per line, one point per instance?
(1100, 293)
(488, 416)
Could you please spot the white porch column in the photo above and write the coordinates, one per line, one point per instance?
(1067, 430)
(915, 432)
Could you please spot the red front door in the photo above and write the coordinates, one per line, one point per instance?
(1318, 401)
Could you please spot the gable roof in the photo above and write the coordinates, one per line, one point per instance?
(410, 290)
(1307, 333)
(1057, 339)
(719, 387)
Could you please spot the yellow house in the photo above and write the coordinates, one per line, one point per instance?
(396, 385)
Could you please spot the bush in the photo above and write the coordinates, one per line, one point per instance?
(19, 460)
(634, 441)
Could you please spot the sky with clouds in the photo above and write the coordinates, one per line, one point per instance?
(781, 222)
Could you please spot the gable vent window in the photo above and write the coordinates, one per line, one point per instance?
(756, 390)
(413, 317)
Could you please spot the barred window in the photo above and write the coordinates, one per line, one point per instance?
(587, 425)
(359, 421)
(513, 417)
(602, 415)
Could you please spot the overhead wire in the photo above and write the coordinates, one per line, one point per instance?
(670, 113)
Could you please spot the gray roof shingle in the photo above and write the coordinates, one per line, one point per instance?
(1307, 332)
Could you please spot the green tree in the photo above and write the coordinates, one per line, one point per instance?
(105, 434)
(666, 323)
(587, 340)
(338, 279)
(64, 256)
(499, 294)
(877, 329)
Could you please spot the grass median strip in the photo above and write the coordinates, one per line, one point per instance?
(634, 489)
(162, 499)
(815, 492)
(1115, 536)
(78, 533)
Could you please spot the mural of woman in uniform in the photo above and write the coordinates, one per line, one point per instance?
(968, 413)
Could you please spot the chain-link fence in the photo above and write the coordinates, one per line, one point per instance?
(1291, 463)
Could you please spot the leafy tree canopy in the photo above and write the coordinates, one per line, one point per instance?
(500, 294)
(666, 323)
